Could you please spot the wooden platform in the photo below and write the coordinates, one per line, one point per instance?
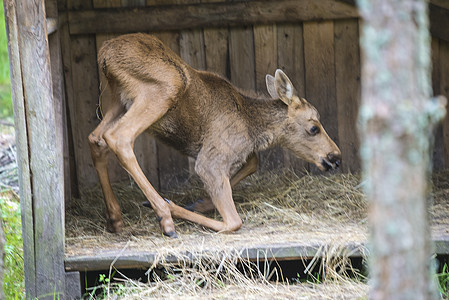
(130, 255)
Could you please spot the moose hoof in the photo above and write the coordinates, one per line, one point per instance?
(114, 226)
(167, 226)
(171, 234)
(201, 205)
(146, 204)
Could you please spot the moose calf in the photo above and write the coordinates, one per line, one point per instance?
(202, 115)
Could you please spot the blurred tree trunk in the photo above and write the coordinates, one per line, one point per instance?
(2, 248)
(397, 118)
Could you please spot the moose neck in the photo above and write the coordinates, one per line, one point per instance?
(266, 119)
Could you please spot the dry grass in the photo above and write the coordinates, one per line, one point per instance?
(327, 212)
(274, 207)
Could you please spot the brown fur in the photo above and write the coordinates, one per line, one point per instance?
(202, 115)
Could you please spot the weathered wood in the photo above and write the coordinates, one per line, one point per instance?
(396, 117)
(290, 50)
(46, 263)
(216, 50)
(438, 17)
(319, 57)
(266, 56)
(72, 285)
(444, 90)
(143, 259)
(441, 3)
(241, 57)
(23, 162)
(57, 73)
(347, 82)
(82, 98)
(205, 14)
(438, 149)
(69, 153)
(439, 21)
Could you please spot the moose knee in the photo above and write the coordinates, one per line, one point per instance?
(121, 146)
(233, 225)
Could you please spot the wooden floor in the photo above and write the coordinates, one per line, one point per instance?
(291, 245)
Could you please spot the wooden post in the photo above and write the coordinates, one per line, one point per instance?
(39, 150)
(397, 120)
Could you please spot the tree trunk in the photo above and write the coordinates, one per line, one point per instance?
(2, 254)
(397, 118)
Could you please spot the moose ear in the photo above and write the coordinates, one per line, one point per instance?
(284, 87)
(270, 86)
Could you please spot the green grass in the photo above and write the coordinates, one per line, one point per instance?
(6, 111)
(13, 281)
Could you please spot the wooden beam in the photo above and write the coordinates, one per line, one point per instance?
(438, 17)
(176, 17)
(130, 259)
(40, 167)
(439, 21)
(441, 3)
(23, 162)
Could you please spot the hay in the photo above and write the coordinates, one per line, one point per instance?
(276, 208)
(283, 207)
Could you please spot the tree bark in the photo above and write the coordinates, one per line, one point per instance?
(2, 255)
(397, 118)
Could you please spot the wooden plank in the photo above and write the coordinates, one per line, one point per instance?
(319, 57)
(266, 56)
(241, 57)
(67, 72)
(72, 285)
(348, 91)
(441, 3)
(444, 90)
(216, 42)
(438, 149)
(83, 98)
(45, 151)
(190, 16)
(291, 60)
(57, 72)
(439, 22)
(144, 259)
(23, 163)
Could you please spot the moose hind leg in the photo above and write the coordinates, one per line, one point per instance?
(99, 151)
(120, 139)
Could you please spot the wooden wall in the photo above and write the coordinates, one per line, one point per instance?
(316, 45)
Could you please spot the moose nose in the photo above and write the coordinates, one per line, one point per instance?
(334, 158)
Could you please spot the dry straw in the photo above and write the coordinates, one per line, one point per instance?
(329, 211)
(326, 211)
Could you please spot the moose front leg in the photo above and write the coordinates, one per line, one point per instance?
(206, 204)
(225, 206)
(218, 186)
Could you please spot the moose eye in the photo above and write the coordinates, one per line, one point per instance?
(314, 130)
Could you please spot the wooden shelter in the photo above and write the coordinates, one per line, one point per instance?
(57, 86)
